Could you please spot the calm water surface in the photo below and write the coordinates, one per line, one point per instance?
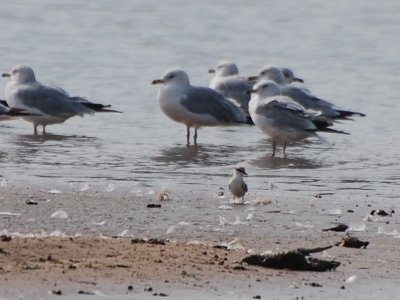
(347, 52)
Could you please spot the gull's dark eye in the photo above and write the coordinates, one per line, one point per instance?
(171, 76)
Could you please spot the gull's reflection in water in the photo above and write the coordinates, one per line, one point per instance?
(49, 148)
(203, 155)
(307, 160)
(268, 162)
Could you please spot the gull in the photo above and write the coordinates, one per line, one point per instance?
(237, 186)
(303, 96)
(194, 106)
(281, 118)
(229, 83)
(49, 105)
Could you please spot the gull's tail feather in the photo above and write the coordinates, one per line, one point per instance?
(18, 112)
(344, 114)
(330, 130)
(99, 107)
(4, 103)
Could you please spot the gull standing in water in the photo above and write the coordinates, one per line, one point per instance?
(303, 96)
(227, 81)
(49, 105)
(282, 119)
(237, 186)
(195, 106)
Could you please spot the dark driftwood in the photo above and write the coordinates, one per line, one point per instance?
(337, 228)
(298, 260)
(352, 242)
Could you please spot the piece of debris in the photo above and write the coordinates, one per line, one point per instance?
(56, 292)
(337, 228)
(381, 213)
(314, 284)
(149, 241)
(156, 241)
(148, 289)
(153, 205)
(163, 195)
(257, 297)
(220, 247)
(5, 238)
(86, 293)
(130, 288)
(31, 202)
(297, 260)
(351, 242)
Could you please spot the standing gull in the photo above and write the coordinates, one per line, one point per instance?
(282, 119)
(237, 186)
(50, 105)
(304, 97)
(195, 106)
(227, 81)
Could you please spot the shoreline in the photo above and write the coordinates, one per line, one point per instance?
(77, 252)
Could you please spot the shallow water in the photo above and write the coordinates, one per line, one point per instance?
(346, 52)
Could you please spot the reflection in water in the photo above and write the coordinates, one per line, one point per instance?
(204, 155)
(49, 149)
(268, 162)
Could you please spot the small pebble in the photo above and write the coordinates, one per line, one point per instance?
(56, 292)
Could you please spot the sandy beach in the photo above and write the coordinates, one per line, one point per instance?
(77, 257)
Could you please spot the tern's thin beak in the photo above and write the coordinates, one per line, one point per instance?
(251, 92)
(298, 80)
(245, 174)
(211, 71)
(252, 78)
(6, 75)
(157, 81)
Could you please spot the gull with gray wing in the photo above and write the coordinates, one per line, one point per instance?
(48, 105)
(281, 118)
(195, 106)
(229, 83)
(304, 97)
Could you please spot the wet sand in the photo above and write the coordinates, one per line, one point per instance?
(91, 250)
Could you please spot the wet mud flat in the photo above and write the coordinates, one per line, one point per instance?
(94, 243)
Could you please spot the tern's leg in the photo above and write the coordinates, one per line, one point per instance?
(195, 136)
(273, 148)
(284, 149)
(187, 135)
(34, 129)
(44, 130)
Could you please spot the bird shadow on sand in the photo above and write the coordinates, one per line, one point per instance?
(204, 155)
